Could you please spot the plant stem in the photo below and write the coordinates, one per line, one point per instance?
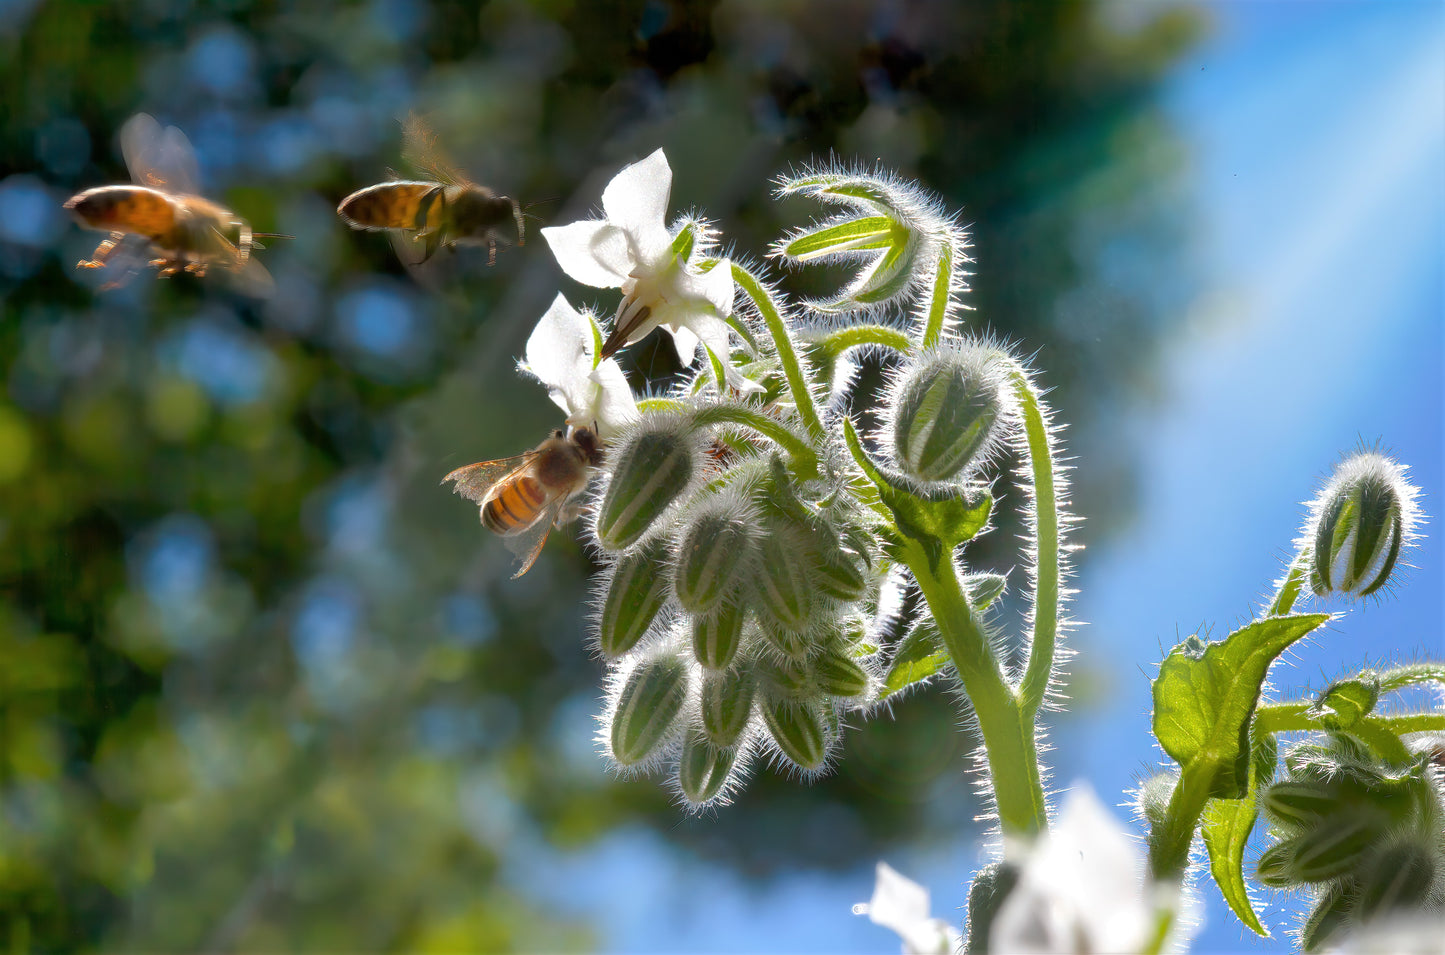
(803, 458)
(778, 329)
(1289, 586)
(1008, 732)
(837, 342)
(1170, 839)
(1046, 545)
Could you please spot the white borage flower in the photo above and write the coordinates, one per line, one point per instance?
(901, 904)
(661, 284)
(561, 354)
(1082, 888)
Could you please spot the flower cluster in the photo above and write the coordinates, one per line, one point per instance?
(750, 542)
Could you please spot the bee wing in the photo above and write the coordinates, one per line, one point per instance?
(475, 481)
(528, 544)
(159, 158)
(419, 150)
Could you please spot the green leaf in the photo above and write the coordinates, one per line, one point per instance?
(920, 656)
(1345, 702)
(850, 235)
(1226, 826)
(938, 524)
(1205, 696)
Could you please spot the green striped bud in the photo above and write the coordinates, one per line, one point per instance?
(990, 889)
(1300, 805)
(635, 594)
(717, 634)
(1344, 702)
(1335, 848)
(727, 705)
(836, 572)
(1331, 913)
(837, 675)
(1399, 877)
(793, 644)
(780, 581)
(1361, 520)
(1274, 868)
(704, 768)
(714, 551)
(647, 708)
(946, 413)
(799, 729)
(651, 470)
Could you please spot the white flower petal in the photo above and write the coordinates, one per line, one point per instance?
(636, 202)
(901, 904)
(611, 405)
(713, 333)
(1081, 883)
(559, 354)
(714, 286)
(686, 344)
(594, 252)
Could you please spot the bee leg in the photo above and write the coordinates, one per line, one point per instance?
(491, 251)
(102, 253)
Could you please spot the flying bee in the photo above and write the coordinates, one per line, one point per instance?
(523, 497)
(446, 210)
(178, 230)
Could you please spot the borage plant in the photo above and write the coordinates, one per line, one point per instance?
(757, 549)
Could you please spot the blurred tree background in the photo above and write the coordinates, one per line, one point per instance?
(263, 684)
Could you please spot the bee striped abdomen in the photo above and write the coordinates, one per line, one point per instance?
(515, 506)
(391, 205)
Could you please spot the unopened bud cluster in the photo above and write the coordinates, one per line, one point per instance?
(735, 612)
(1365, 837)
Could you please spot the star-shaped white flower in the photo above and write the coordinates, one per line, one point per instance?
(901, 904)
(560, 354)
(1082, 888)
(632, 250)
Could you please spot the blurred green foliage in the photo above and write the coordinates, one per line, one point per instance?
(263, 684)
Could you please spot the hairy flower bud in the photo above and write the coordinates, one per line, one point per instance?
(799, 729)
(717, 634)
(647, 708)
(703, 770)
(780, 579)
(1299, 804)
(713, 553)
(837, 675)
(835, 571)
(1329, 851)
(726, 702)
(1359, 523)
(1399, 877)
(946, 413)
(635, 594)
(653, 467)
(1330, 914)
(1344, 702)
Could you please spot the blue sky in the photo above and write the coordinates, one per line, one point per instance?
(1317, 140)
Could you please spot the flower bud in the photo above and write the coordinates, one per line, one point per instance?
(1153, 797)
(652, 469)
(986, 896)
(713, 554)
(834, 571)
(1365, 515)
(727, 705)
(799, 729)
(1273, 868)
(1333, 849)
(635, 594)
(780, 581)
(1299, 804)
(1331, 913)
(946, 413)
(1399, 877)
(704, 768)
(1342, 704)
(837, 675)
(717, 634)
(793, 644)
(647, 708)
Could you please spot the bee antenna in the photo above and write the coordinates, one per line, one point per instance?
(538, 202)
(271, 235)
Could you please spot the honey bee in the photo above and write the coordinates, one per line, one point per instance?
(446, 210)
(523, 497)
(179, 230)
